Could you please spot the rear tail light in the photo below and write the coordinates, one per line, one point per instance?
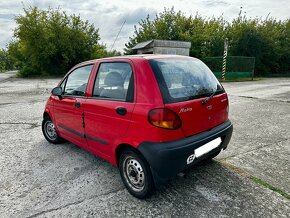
(164, 118)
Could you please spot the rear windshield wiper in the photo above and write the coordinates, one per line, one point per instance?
(209, 97)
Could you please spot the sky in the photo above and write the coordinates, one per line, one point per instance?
(108, 16)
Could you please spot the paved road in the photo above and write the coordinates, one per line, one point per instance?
(6, 75)
(38, 179)
(260, 112)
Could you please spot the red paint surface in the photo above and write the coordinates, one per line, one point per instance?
(102, 121)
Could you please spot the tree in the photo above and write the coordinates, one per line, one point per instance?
(6, 62)
(164, 26)
(205, 35)
(49, 42)
(267, 40)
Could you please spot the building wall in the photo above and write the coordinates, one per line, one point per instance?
(169, 50)
(163, 47)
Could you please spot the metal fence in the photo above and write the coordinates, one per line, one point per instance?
(237, 67)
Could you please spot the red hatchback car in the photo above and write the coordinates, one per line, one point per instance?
(152, 116)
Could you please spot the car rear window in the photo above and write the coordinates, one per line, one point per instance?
(184, 79)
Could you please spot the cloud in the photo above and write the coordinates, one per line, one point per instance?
(6, 31)
(111, 9)
(108, 16)
(7, 16)
(133, 17)
(214, 3)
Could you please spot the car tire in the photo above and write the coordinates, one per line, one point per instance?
(136, 174)
(49, 131)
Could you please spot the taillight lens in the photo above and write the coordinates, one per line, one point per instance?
(164, 118)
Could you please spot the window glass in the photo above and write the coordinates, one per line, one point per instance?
(62, 85)
(184, 79)
(114, 81)
(77, 81)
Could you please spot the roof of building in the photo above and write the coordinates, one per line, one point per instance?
(142, 44)
(162, 43)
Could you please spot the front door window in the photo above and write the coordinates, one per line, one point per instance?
(76, 83)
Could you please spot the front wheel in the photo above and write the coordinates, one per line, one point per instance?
(49, 131)
(136, 174)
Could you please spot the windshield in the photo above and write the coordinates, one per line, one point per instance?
(184, 79)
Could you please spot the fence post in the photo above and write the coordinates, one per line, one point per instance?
(253, 69)
(225, 59)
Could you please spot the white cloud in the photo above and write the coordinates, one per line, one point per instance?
(108, 16)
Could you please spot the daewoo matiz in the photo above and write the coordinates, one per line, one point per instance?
(152, 116)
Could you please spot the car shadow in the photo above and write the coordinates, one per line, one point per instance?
(92, 187)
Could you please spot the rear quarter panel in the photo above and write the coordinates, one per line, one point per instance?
(148, 97)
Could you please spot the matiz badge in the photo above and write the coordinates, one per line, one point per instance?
(183, 110)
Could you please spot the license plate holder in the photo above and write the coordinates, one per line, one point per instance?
(204, 149)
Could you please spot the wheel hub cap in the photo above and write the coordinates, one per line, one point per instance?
(134, 174)
(50, 130)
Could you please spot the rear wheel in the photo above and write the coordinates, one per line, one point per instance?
(136, 174)
(49, 131)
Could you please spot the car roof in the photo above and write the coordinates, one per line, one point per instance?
(135, 57)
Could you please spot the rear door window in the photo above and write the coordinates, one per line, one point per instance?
(115, 81)
(184, 79)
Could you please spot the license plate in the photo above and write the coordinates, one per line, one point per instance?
(207, 147)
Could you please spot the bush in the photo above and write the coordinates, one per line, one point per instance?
(50, 42)
(6, 63)
(267, 40)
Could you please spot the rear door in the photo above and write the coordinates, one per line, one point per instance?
(108, 112)
(185, 83)
(68, 110)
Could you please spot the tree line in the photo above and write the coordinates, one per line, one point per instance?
(49, 42)
(6, 62)
(268, 40)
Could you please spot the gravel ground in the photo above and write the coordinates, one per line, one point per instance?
(38, 179)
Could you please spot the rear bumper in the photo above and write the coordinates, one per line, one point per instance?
(166, 159)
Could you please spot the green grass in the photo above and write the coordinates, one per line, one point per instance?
(253, 178)
(235, 76)
(267, 185)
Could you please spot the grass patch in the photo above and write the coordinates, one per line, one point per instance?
(255, 79)
(243, 96)
(267, 185)
(255, 179)
(40, 76)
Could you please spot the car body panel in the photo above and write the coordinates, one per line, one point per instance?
(197, 117)
(96, 127)
(68, 119)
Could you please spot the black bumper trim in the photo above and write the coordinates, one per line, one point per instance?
(83, 135)
(72, 131)
(166, 159)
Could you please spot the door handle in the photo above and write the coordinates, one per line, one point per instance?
(77, 104)
(121, 111)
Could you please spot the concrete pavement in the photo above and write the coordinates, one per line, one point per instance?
(38, 179)
(6, 75)
(260, 145)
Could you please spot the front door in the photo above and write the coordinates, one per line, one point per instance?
(108, 112)
(68, 109)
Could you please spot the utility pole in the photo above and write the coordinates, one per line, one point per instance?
(225, 59)
(117, 35)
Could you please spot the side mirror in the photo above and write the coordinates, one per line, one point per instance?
(57, 91)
